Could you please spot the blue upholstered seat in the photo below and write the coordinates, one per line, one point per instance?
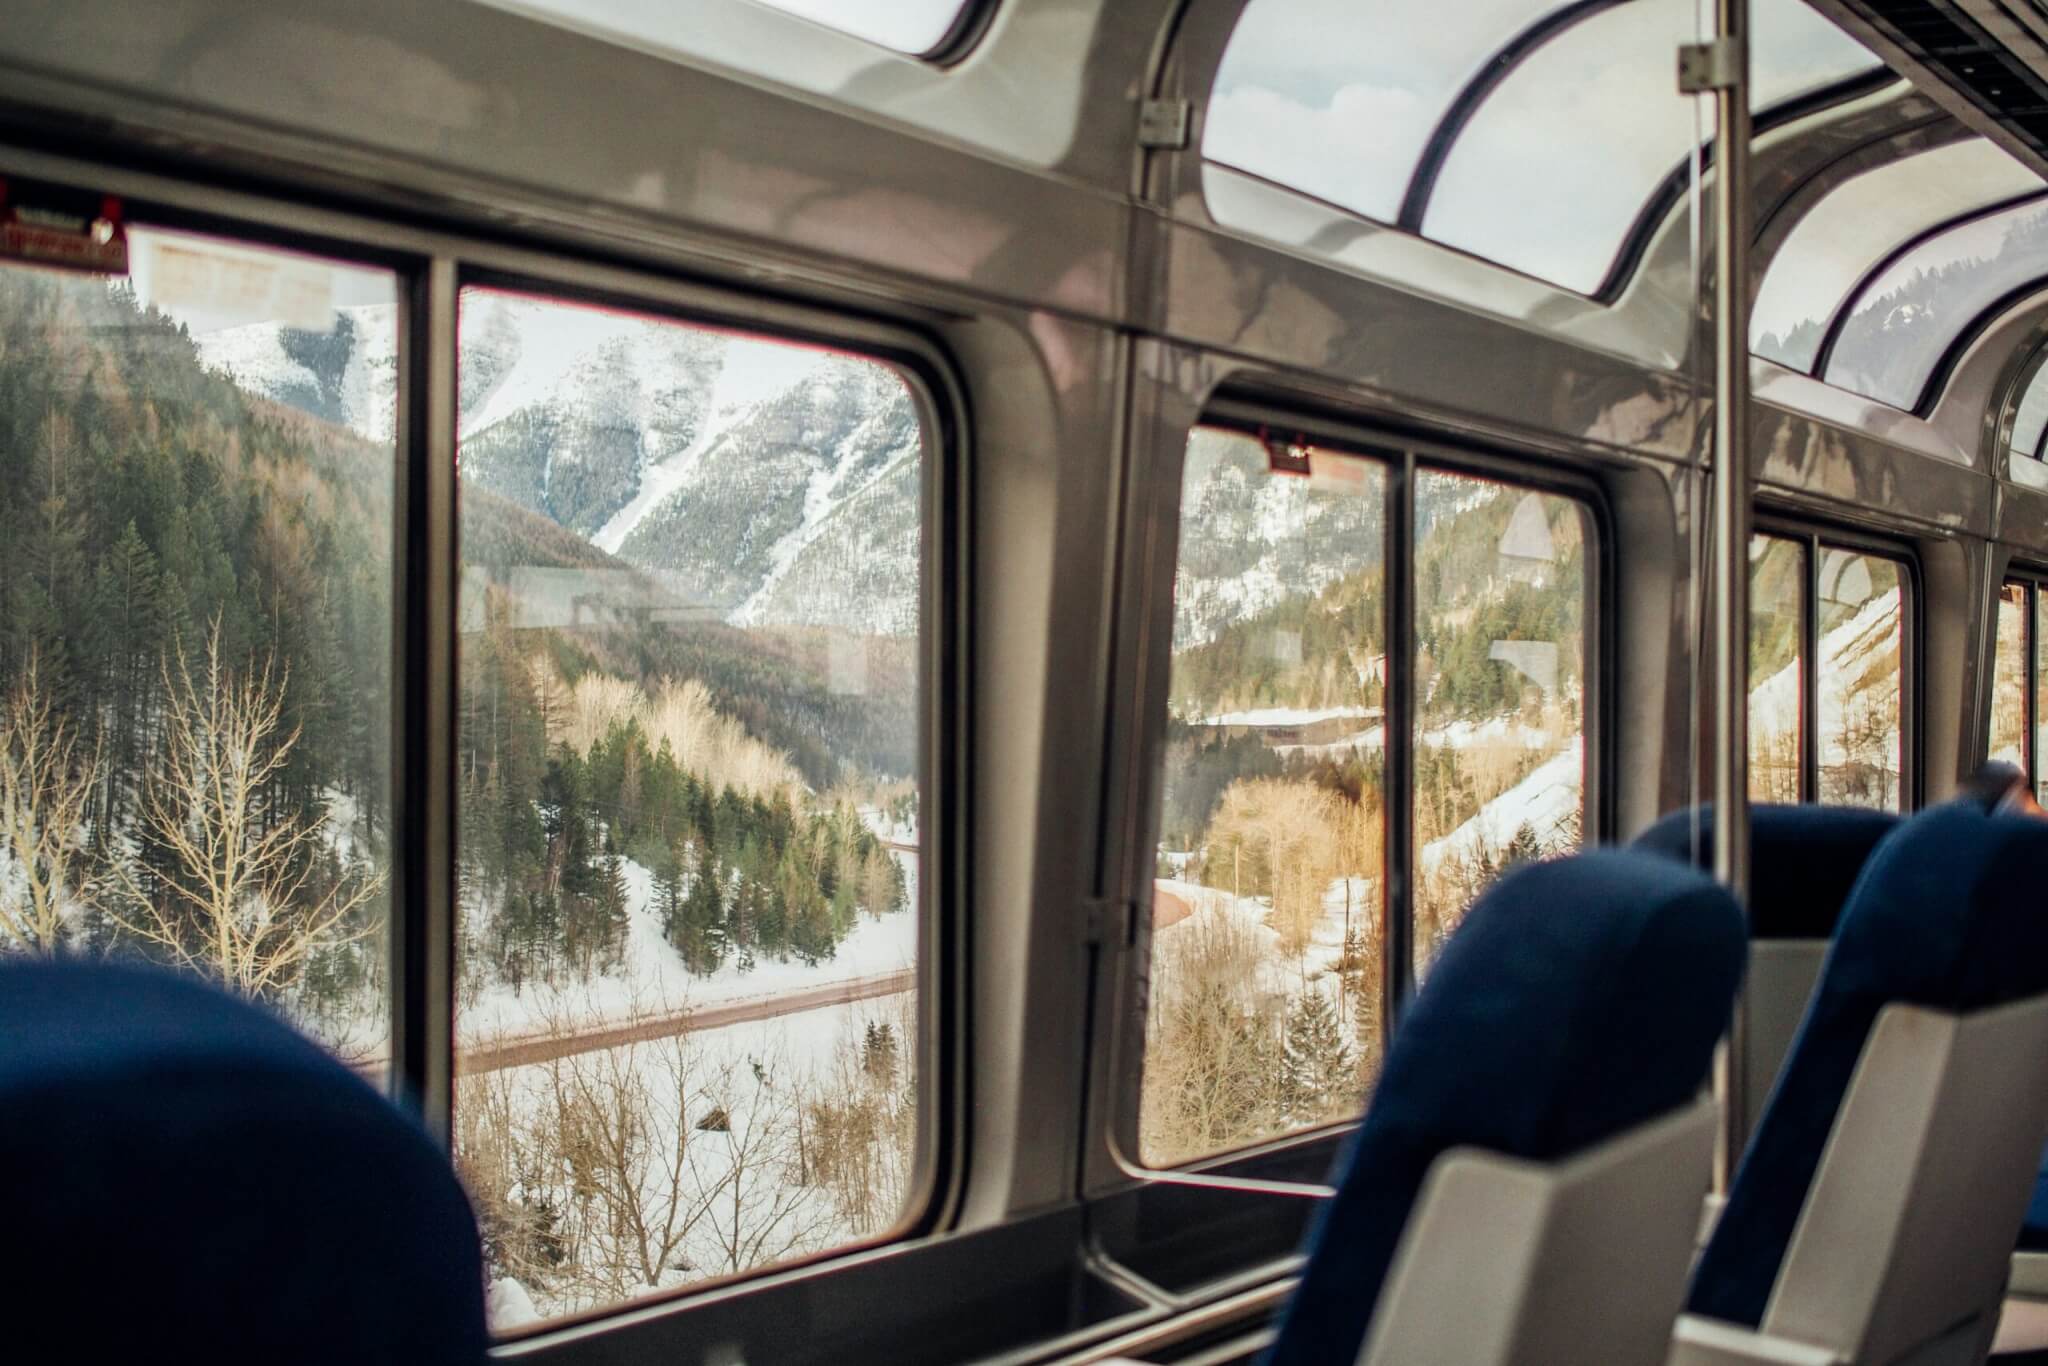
(1579, 999)
(1947, 915)
(1803, 859)
(184, 1178)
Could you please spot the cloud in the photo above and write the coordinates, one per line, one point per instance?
(1356, 151)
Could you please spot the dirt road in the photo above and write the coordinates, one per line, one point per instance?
(521, 1052)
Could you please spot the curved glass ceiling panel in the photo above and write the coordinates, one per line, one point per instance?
(1906, 318)
(1857, 224)
(909, 26)
(2032, 416)
(912, 27)
(1338, 98)
(1555, 167)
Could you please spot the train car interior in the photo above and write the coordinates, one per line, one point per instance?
(1046, 682)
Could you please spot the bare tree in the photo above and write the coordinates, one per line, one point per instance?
(761, 1210)
(1293, 825)
(241, 901)
(46, 784)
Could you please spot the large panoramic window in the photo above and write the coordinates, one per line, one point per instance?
(1529, 132)
(913, 27)
(1266, 938)
(1903, 323)
(1827, 701)
(690, 810)
(1860, 223)
(2019, 730)
(1268, 972)
(196, 478)
(1500, 689)
(2012, 658)
(1777, 667)
(2030, 419)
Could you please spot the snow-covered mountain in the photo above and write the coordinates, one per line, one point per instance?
(769, 483)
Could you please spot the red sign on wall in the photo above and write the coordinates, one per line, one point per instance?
(61, 229)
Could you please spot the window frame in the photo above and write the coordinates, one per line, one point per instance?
(1814, 536)
(431, 265)
(2034, 580)
(1402, 451)
(566, 283)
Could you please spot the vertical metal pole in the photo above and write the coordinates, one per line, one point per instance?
(1729, 79)
(424, 713)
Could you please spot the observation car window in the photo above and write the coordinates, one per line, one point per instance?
(2030, 420)
(915, 28)
(1827, 705)
(197, 468)
(1905, 319)
(2019, 675)
(1862, 636)
(1268, 966)
(689, 687)
(1302, 79)
(1856, 225)
(1266, 946)
(1557, 163)
(2011, 658)
(1474, 131)
(1777, 669)
(1500, 689)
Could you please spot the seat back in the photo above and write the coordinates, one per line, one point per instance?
(1579, 1000)
(187, 1178)
(1804, 861)
(1510, 1263)
(1904, 1238)
(1945, 915)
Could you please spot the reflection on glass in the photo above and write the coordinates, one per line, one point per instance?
(1338, 99)
(2032, 417)
(912, 27)
(1862, 629)
(196, 471)
(2009, 677)
(909, 26)
(1266, 963)
(1906, 319)
(1555, 167)
(1500, 590)
(688, 791)
(1858, 224)
(1777, 636)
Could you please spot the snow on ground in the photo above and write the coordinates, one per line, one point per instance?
(653, 979)
(1848, 652)
(1545, 801)
(1280, 974)
(1500, 731)
(731, 1187)
(1286, 716)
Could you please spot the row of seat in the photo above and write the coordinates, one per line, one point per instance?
(1525, 1186)
(185, 1174)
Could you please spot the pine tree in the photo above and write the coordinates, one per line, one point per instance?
(878, 1053)
(1318, 1071)
(1523, 848)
